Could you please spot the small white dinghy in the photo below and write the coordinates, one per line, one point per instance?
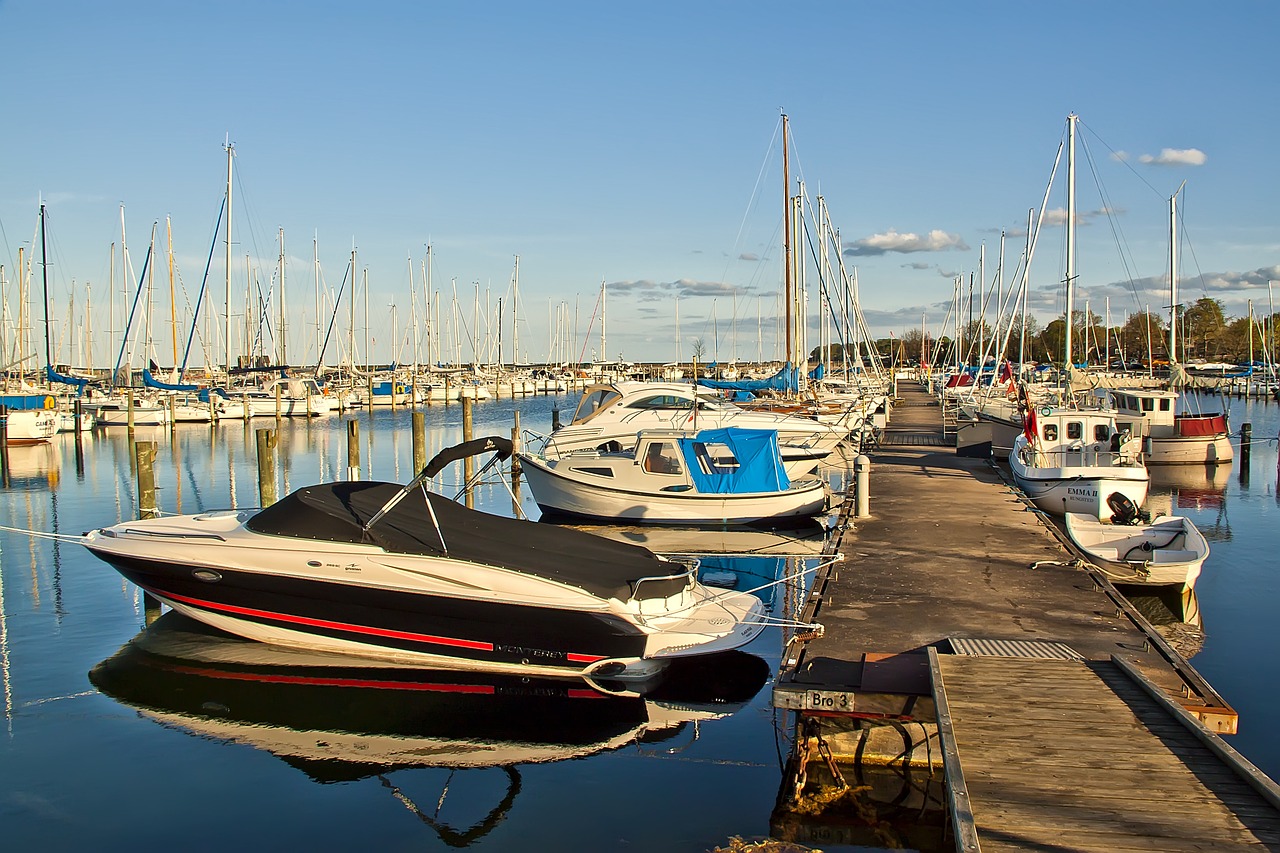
(1167, 552)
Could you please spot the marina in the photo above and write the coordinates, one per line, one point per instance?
(950, 552)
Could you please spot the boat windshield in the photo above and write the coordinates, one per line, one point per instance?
(594, 402)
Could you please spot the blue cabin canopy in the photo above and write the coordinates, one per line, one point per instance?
(751, 464)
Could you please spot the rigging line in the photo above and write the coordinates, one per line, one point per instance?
(1121, 157)
(1116, 232)
(755, 192)
(39, 534)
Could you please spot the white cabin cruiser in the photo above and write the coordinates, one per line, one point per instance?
(714, 476)
(1075, 460)
(610, 415)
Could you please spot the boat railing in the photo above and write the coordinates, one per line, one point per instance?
(1085, 456)
(688, 577)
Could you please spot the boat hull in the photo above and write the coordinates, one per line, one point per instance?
(358, 598)
(1169, 551)
(1082, 489)
(558, 493)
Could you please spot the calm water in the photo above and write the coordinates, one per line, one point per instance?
(212, 743)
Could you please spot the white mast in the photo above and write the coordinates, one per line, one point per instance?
(226, 307)
(515, 316)
(1071, 234)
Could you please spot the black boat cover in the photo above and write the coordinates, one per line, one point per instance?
(468, 448)
(337, 512)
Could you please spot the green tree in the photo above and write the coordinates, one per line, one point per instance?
(1201, 324)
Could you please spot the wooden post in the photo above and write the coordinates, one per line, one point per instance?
(266, 466)
(468, 464)
(145, 457)
(419, 441)
(1246, 443)
(555, 419)
(515, 443)
(279, 401)
(173, 411)
(77, 408)
(129, 410)
(353, 449)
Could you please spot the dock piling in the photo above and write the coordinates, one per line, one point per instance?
(266, 466)
(4, 446)
(419, 441)
(353, 449)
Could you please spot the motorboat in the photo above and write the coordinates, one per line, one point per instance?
(1171, 437)
(399, 573)
(715, 476)
(1075, 460)
(610, 415)
(1168, 551)
(339, 718)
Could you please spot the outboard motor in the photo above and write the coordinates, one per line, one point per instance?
(1123, 510)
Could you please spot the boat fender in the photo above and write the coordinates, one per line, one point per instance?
(1123, 510)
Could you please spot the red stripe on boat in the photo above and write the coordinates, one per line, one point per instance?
(324, 623)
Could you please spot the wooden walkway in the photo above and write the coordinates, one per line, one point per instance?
(1099, 751)
(1074, 755)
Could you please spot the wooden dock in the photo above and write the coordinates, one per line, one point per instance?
(1063, 719)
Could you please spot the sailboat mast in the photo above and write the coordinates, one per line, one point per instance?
(786, 234)
(226, 303)
(284, 356)
(515, 316)
(604, 312)
(1071, 233)
(173, 299)
(1173, 279)
(44, 274)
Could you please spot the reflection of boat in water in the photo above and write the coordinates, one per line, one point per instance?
(34, 465)
(1191, 486)
(339, 722)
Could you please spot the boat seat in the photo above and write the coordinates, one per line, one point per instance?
(1106, 554)
(1172, 555)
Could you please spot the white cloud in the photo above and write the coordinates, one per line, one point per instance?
(893, 241)
(1175, 157)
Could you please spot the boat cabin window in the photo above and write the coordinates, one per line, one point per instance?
(1164, 404)
(1101, 432)
(661, 401)
(661, 457)
(1050, 432)
(1148, 404)
(1075, 430)
(592, 403)
(714, 458)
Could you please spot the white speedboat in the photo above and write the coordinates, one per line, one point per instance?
(397, 573)
(610, 415)
(721, 476)
(1075, 460)
(1169, 551)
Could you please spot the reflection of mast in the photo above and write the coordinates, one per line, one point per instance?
(4, 656)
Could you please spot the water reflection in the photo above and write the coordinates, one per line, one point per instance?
(1179, 489)
(339, 722)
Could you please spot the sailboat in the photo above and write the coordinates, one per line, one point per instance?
(1070, 459)
(1172, 437)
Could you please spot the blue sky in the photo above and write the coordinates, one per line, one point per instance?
(635, 144)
